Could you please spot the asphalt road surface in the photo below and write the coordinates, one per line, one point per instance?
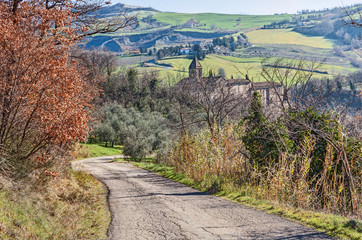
(145, 205)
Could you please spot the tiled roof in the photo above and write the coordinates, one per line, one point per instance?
(265, 85)
(238, 81)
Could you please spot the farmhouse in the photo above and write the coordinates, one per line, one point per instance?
(243, 87)
(185, 51)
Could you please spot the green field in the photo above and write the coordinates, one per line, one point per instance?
(97, 150)
(287, 36)
(235, 67)
(209, 22)
(213, 62)
(222, 21)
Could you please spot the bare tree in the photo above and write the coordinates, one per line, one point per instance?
(85, 16)
(98, 63)
(300, 90)
(210, 100)
(89, 18)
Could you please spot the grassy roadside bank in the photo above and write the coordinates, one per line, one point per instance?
(333, 225)
(66, 208)
(71, 207)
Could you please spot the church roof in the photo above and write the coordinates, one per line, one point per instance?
(234, 82)
(195, 63)
(264, 85)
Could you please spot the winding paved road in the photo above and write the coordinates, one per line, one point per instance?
(145, 205)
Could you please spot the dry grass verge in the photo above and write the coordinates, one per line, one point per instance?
(65, 208)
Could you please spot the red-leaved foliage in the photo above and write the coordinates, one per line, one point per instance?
(43, 98)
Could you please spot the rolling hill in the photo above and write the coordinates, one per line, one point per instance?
(312, 35)
(156, 29)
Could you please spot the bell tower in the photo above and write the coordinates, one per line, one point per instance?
(195, 69)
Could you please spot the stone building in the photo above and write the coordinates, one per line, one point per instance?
(196, 82)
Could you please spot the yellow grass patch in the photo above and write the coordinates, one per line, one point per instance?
(287, 36)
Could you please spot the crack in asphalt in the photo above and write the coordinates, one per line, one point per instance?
(144, 205)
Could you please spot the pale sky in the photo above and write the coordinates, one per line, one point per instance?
(238, 6)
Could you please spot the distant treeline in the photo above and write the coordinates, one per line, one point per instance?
(197, 50)
(228, 42)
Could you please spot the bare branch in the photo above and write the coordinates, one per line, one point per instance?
(353, 16)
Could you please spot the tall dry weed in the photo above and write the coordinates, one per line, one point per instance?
(220, 161)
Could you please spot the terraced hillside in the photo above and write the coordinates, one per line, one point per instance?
(156, 29)
(314, 36)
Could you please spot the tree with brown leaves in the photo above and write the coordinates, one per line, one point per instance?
(44, 100)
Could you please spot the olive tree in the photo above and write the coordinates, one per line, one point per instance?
(141, 133)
